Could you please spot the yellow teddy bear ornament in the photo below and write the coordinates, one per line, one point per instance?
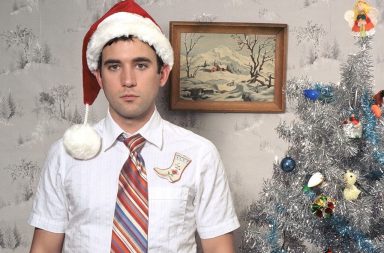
(351, 192)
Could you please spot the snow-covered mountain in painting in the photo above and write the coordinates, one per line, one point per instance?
(222, 55)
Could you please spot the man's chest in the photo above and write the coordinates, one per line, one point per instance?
(91, 188)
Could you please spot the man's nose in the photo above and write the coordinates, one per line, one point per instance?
(128, 78)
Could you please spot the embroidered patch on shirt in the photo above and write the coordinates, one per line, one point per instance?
(174, 172)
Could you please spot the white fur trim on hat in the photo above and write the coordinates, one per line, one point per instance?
(125, 23)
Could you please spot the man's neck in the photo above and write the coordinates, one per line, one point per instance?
(131, 125)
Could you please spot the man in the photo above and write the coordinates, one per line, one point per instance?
(85, 203)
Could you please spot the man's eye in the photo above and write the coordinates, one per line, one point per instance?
(113, 67)
(141, 66)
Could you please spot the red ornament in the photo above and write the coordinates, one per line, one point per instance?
(319, 213)
(353, 120)
(323, 206)
(352, 127)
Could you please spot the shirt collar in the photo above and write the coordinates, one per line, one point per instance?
(152, 131)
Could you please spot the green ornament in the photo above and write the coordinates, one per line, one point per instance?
(306, 189)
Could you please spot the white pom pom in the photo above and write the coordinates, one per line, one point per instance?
(82, 142)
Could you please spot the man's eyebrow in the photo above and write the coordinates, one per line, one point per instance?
(137, 59)
(142, 59)
(111, 61)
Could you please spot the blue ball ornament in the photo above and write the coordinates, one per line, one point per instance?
(288, 164)
(312, 94)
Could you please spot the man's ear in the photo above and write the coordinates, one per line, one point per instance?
(97, 74)
(164, 74)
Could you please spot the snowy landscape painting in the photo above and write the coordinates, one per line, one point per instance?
(233, 66)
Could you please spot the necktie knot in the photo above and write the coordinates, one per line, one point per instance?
(134, 143)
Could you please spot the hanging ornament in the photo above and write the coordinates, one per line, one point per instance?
(329, 250)
(352, 127)
(312, 94)
(362, 19)
(315, 180)
(376, 110)
(323, 206)
(350, 191)
(287, 164)
(326, 93)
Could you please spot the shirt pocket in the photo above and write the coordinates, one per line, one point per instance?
(167, 212)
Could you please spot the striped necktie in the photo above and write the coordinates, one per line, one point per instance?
(130, 223)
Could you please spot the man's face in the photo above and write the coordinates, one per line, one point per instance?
(130, 80)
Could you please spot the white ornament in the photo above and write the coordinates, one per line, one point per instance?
(353, 131)
(350, 192)
(315, 179)
(82, 142)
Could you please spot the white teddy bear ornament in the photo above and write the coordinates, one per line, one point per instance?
(351, 192)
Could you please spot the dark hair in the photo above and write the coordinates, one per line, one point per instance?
(160, 62)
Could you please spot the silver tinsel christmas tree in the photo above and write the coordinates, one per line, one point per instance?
(326, 195)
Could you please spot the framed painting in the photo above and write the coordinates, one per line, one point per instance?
(228, 67)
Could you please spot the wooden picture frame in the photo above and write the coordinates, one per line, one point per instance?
(228, 67)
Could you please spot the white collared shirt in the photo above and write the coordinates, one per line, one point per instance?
(78, 197)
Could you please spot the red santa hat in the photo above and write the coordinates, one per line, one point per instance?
(126, 18)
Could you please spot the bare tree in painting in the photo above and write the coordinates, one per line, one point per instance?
(261, 51)
(190, 40)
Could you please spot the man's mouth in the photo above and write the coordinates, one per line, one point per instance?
(129, 97)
